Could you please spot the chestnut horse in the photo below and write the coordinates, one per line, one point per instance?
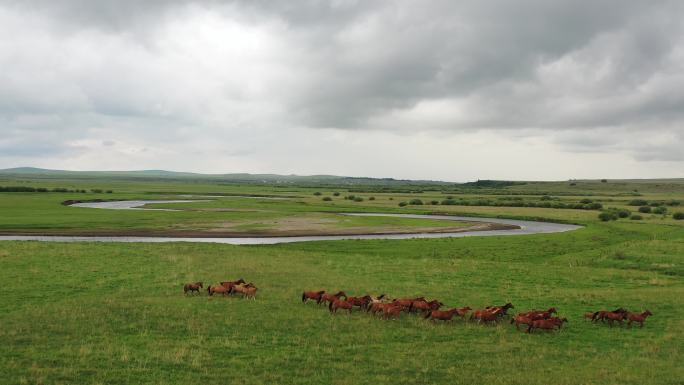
(392, 311)
(547, 324)
(230, 284)
(313, 295)
(247, 290)
(361, 302)
(601, 314)
(487, 315)
(448, 314)
(424, 306)
(640, 318)
(539, 314)
(406, 303)
(503, 309)
(190, 287)
(339, 304)
(521, 319)
(220, 289)
(327, 297)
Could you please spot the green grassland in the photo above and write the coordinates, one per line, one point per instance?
(109, 313)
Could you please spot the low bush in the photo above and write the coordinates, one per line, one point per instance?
(327, 199)
(606, 216)
(402, 204)
(449, 202)
(585, 201)
(415, 201)
(434, 202)
(645, 209)
(638, 202)
(660, 210)
(317, 193)
(371, 198)
(358, 199)
(336, 194)
(623, 213)
(636, 217)
(678, 216)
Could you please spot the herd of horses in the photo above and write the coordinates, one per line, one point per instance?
(239, 287)
(392, 309)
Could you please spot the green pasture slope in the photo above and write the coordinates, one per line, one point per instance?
(94, 313)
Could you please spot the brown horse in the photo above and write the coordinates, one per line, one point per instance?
(521, 319)
(589, 316)
(503, 309)
(190, 287)
(487, 315)
(220, 289)
(602, 314)
(360, 302)
(247, 290)
(547, 324)
(640, 318)
(406, 303)
(540, 314)
(377, 307)
(424, 306)
(448, 314)
(230, 284)
(313, 295)
(339, 304)
(392, 311)
(327, 297)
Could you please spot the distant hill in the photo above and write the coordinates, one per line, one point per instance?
(40, 173)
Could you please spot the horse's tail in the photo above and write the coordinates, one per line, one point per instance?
(512, 320)
(209, 290)
(593, 317)
(303, 297)
(330, 306)
(410, 307)
(428, 315)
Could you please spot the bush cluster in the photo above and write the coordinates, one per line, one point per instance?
(678, 216)
(645, 209)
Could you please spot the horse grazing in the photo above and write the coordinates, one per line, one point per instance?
(220, 289)
(640, 318)
(448, 314)
(339, 304)
(424, 306)
(503, 309)
(313, 295)
(547, 324)
(327, 297)
(190, 287)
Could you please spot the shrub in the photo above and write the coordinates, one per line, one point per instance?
(660, 210)
(449, 197)
(636, 217)
(371, 198)
(96, 190)
(350, 197)
(415, 201)
(402, 204)
(548, 198)
(336, 194)
(317, 193)
(449, 202)
(645, 209)
(358, 199)
(594, 206)
(109, 191)
(656, 204)
(678, 216)
(327, 199)
(623, 213)
(604, 180)
(638, 202)
(434, 202)
(606, 216)
(585, 201)
(390, 198)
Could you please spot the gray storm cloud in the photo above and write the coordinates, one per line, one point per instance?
(601, 76)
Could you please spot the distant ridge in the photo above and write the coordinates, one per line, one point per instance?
(42, 173)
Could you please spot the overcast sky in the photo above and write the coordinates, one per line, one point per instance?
(450, 90)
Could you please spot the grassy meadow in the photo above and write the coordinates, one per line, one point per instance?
(108, 313)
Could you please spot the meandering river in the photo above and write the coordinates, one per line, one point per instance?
(524, 227)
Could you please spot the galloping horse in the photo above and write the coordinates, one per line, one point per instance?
(313, 295)
(361, 302)
(327, 297)
(424, 306)
(448, 314)
(220, 289)
(247, 290)
(521, 319)
(190, 287)
(602, 314)
(547, 324)
(487, 315)
(406, 303)
(392, 311)
(540, 314)
(503, 309)
(640, 318)
(339, 304)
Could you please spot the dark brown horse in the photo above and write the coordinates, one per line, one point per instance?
(190, 287)
(448, 314)
(640, 318)
(602, 314)
(547, 324)
(231, 284)
(313, 295)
